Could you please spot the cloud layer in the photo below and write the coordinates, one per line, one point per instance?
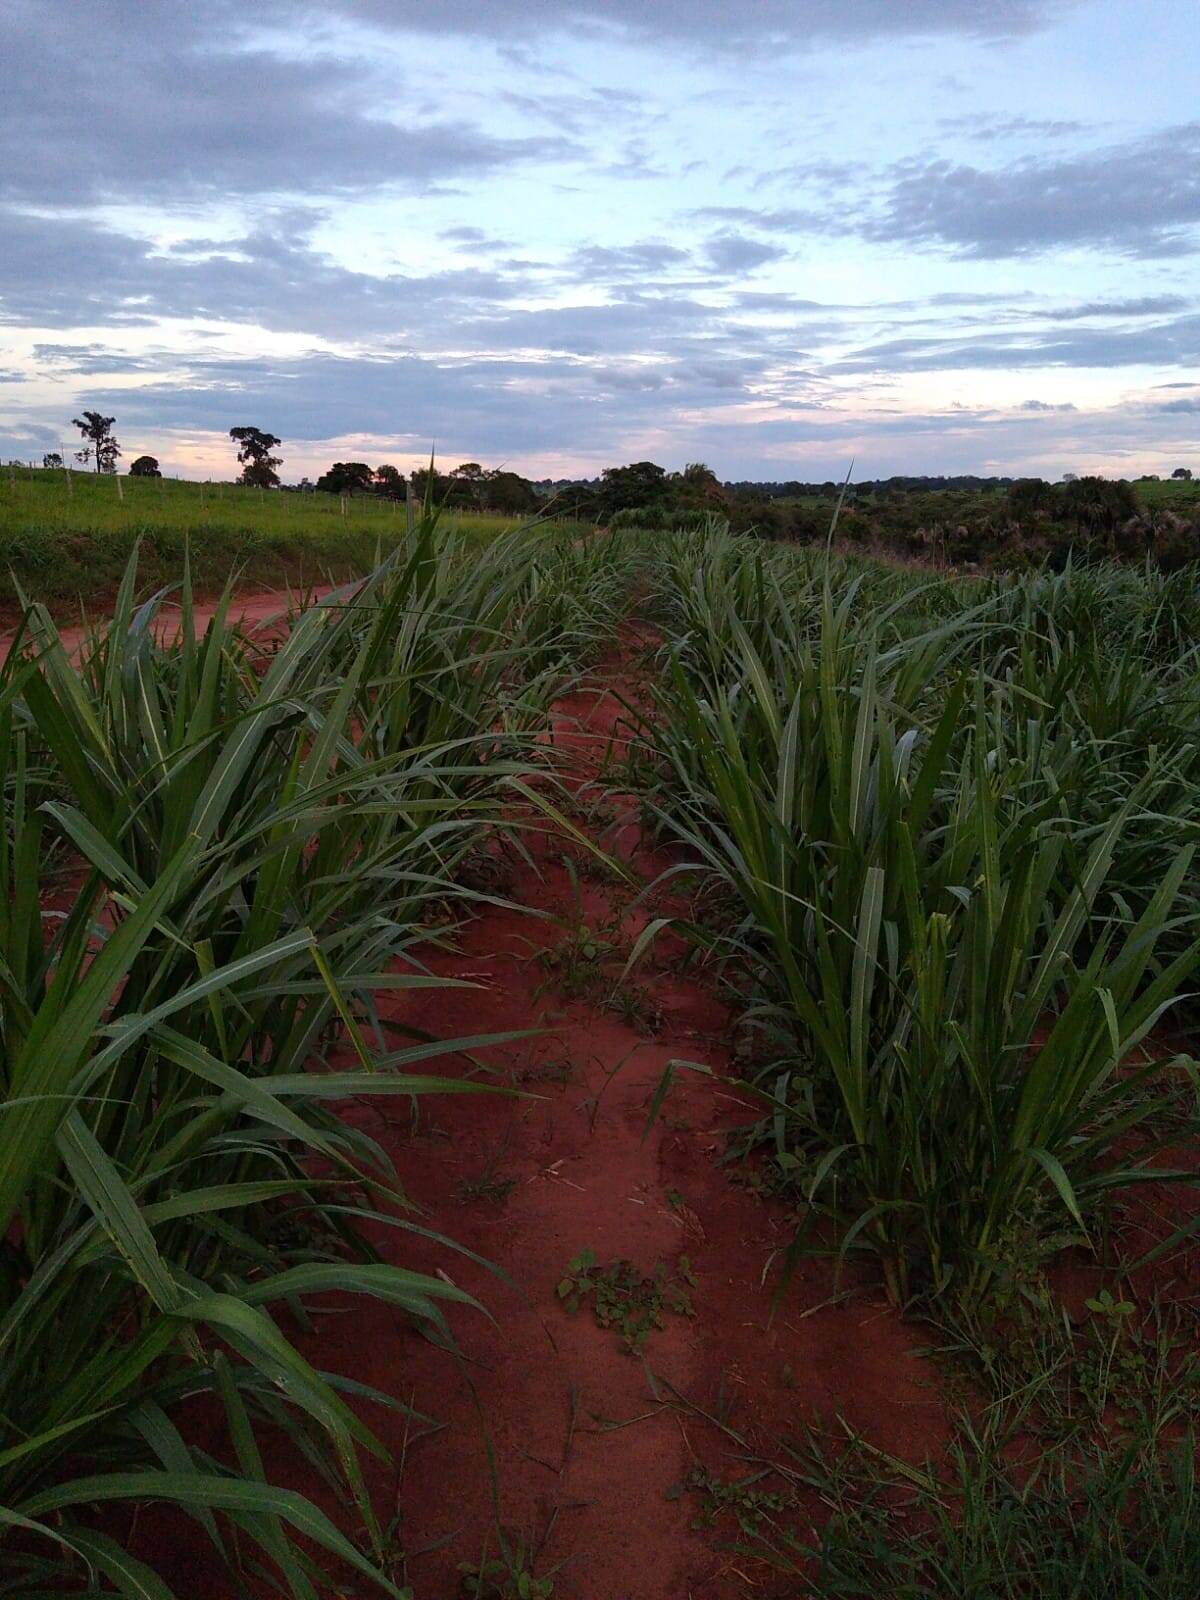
(556, 231)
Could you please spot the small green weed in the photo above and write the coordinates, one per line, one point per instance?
(745, 1499)
(575, 967)
(636, 1008)
(625, 1298)
(488, 1187)
(558, 1069)
(510, 1576)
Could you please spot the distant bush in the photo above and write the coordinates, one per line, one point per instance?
(1026, 523)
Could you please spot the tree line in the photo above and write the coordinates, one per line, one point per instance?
(973, 513)
(468, 486)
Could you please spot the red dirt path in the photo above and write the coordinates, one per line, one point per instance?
(262, 613)
(548, 1387)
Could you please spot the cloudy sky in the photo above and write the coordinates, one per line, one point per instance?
(935, 235)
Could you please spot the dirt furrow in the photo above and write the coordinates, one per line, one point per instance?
(546, 1427)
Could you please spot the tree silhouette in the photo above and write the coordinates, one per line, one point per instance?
(254, 453)
(104, 447)
(347, 477)
(145, 467)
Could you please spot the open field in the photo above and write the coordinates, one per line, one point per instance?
(65, 540)
(640, 1065)
(1179, 494)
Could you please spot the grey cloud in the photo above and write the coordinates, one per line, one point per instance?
(320, 396)
(766, 300)
(608, 262)
(732, 253)
(91, 359)
(793, 23)
(477, 241)
(1142, 199)
(1149, 305)
(778, 219)
(1171, 343)
(978, 125)
(406, 402)
(168, 101)
(67, 271)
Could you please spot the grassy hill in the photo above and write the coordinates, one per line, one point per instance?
(66, 540)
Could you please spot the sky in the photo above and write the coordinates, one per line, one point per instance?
(931, 236)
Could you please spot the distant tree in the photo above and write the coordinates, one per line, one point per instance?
(254, 454)
(466, 485)
(1030, 497)
(145, 467)
(642, 483)
(509, 493)
(1183, 472)
(698, 487)
(424, 483)
(104, 448)
(347, 477)
(1098, 505)
(389, 482)
(52, 459)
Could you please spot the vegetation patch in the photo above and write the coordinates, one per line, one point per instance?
(67, 539)
(625, 1298)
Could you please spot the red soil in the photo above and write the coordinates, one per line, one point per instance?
(585, 1453)
(263, 614)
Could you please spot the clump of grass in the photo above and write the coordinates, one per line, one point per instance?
(252, 841)
(1071, 1471)
(1115, 1521)
(489, 1185)
(635, 1006)
(954, 839)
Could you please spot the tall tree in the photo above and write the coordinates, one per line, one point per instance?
(104, 448)
(254, 453)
